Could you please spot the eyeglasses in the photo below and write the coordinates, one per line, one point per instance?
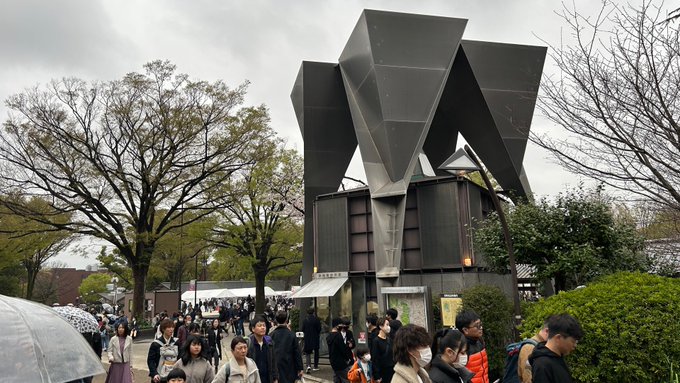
(476, 325)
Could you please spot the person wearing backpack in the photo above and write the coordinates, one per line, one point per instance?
(525, 349)
(163, 353)
(240, 368)
(547, 359)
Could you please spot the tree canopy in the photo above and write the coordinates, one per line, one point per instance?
(572, 240)
(91, 286)
(28, 243)
(127, 158)
(263, 225)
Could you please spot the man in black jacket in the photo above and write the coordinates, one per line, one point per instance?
(395, 323)
(547, 360)
(339, 353)
(261, 350)
(311, 327)
(286, 350)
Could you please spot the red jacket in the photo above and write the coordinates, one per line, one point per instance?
(478, 362)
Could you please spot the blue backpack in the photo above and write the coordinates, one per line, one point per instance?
(512, 359)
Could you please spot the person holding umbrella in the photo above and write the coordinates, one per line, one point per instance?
(120, 355)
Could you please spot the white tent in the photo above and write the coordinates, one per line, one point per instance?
(242, 293)
(207, 294)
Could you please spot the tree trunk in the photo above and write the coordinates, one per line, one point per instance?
(31, 274)
(259, 291)
(139, 273)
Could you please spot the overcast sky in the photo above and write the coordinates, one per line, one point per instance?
(263, 41)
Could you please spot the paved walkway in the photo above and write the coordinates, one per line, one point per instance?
(140, 350)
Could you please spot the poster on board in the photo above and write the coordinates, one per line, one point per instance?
(450, 304)
(411, 302)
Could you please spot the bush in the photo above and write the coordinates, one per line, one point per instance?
(630, 327)
(495, 309)
(437, 312)
(294, 319)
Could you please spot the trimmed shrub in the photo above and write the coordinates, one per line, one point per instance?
(436, 312)
(495, 310)
(294, 319)
(630, 327)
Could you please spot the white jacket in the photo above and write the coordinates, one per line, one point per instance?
(115, 355)
(235, 374)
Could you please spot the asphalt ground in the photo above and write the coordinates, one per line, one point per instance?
(140, 350)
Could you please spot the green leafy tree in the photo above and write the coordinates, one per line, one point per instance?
(572, 240)
(262, 223)
(630, 327)
(91, 286)
(33, 243)
(176, 254)
(129, 157)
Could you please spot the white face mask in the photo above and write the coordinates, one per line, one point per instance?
(462, 359)
(387, 329)
(367, 357)
(425, 356)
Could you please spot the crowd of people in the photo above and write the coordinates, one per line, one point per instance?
(189, 349)
(270, 354)
(409, 354)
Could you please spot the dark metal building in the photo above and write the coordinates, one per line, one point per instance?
(404, 87)
(437, 244)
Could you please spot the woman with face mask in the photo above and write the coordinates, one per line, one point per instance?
(412, 354)
(381, 353)
(448, 365)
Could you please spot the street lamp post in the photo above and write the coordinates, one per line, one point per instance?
(464, 161)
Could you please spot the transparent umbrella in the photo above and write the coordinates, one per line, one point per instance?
(41, 346)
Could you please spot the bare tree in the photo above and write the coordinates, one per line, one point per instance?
(617, 98)
(127, 158)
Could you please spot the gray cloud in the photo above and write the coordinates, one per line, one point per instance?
(263, 41)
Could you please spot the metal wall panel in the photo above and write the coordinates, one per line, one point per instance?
(439, 225)
(332, 247)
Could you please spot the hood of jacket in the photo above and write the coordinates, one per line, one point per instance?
(541, 351)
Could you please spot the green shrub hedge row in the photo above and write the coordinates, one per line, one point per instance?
(630, 323)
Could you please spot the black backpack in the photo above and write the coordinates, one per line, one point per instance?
(512, 359)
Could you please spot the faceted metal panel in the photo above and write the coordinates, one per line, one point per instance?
(399, 78)
(506, 66)
(409, 40)
(321, 108)
(439, 224)
(492, 117)
(297, 100)
(332, 246)
(407, 93)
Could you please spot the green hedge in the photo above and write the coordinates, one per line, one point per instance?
(294, 319)
(630, 324)
(495, 310)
